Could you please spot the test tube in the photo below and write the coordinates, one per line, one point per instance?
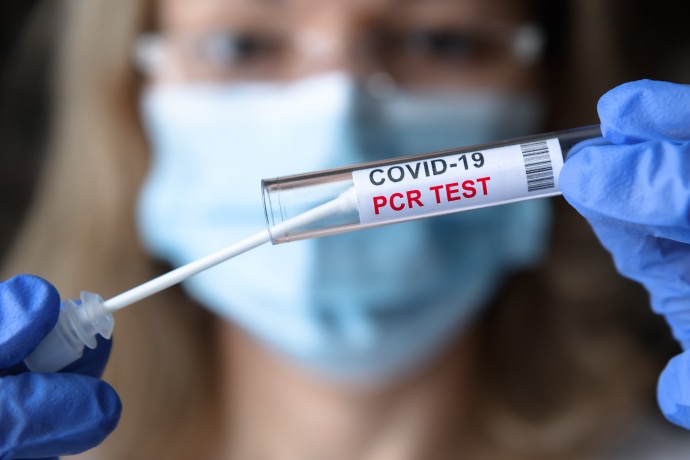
(343, 199)
(420, 186)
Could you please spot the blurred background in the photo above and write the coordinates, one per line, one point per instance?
(27, 36)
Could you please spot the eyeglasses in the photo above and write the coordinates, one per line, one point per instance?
(410, 56)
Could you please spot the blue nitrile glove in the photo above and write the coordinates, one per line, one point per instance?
(45, 415)
(636, 195)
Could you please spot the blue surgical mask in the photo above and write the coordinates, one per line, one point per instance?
(366, 306)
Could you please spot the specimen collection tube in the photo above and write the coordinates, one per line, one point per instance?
(420, 186)
(339, 200)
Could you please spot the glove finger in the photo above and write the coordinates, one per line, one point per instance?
(645, 110)
(659, 264)
(93, 361)
(673, 390)
(29, 308)
(47, 415)
(642, 185)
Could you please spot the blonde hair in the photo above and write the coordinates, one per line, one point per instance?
(81, 235)
(548, 383)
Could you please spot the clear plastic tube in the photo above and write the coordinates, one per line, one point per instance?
(339, 200)
(420, 186)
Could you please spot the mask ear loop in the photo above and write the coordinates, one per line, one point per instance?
(153, 55)
(528, 44)
(149, 54)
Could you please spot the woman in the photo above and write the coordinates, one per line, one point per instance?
(479, 347)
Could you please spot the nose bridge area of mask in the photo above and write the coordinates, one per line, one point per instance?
(418, 186)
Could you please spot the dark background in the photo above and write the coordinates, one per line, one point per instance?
(27, 32)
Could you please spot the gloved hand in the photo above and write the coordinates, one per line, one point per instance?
(45, 415)
(636, 195)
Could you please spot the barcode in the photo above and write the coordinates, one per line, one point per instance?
(537, 166)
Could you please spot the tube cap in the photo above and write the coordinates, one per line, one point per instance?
(76, 327)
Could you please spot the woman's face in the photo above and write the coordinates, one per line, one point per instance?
(455, 44)
(345, 305)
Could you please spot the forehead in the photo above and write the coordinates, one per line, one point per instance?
(208, 13)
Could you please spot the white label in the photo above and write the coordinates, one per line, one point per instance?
(457, 182)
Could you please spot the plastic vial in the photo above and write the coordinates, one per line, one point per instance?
(421, 186)
(76, 328)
